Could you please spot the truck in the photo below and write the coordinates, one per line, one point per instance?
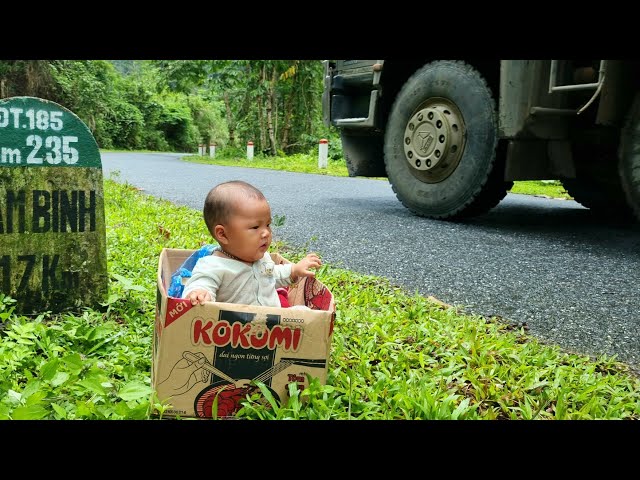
(452, 136)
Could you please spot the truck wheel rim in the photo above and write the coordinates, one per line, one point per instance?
(434, 140)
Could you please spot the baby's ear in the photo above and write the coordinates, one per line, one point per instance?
(220, 234)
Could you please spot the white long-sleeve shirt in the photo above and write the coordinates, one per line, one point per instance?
(231, 281)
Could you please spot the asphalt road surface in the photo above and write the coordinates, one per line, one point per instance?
(547, 263)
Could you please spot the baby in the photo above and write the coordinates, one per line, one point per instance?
(240, 270)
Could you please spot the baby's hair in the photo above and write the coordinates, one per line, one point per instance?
(218, 205)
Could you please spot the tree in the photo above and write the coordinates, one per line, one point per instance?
(30, 78)
(175, 104)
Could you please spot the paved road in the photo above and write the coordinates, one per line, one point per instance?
(573, 280)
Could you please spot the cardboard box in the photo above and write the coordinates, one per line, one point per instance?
(216, 350)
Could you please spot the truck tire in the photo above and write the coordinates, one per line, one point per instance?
(597, 185)
(440, 143)
(363, 154)
(602, 198)
(629, 165)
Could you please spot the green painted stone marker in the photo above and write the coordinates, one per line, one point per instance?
(52, 225)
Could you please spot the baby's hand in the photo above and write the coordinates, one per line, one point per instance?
(199, 296)
(301, 269)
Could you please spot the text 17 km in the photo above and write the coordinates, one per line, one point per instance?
(44, 270)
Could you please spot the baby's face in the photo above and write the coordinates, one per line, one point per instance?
(249, 230)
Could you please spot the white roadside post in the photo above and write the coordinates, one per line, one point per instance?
(201, 149)
(212, 150)
(250, 151)
(323, 150)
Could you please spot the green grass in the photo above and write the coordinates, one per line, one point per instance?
(292, 163)
(541, 188)
(309, 164)
(395, 354)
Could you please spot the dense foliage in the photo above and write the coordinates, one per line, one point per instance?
(175, 105)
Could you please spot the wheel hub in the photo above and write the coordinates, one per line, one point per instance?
(434, 140)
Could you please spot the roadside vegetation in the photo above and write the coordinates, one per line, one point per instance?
(175, 105)
(541, 188)
(395, 355)
(308, 163)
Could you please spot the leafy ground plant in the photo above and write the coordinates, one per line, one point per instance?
(394, 355)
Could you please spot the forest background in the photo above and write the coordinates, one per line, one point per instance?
(175, 105)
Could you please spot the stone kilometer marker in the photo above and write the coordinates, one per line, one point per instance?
(52, 225)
